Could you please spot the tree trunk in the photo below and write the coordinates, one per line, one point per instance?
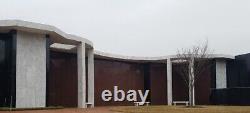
(191, 83)
(190, 90)
(193, 95)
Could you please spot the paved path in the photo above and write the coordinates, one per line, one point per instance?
(67, 110)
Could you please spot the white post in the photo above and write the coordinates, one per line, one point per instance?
(81, 75)
(91, 78)
(169, 81)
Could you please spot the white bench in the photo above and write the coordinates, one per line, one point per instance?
(141, 103)
(180, 102)
(88, 104)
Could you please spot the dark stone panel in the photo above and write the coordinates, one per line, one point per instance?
(238, 71)
(231, 96)
(125, 75)
(239, 96)
(147, 81)
(213, 74)
(62, 80)
(238, 82)
(202, 87)
(48, 42)
(232, 74)
(158, 76)
(8, 69)
(180, 87)
(219, 96)
(243, 67)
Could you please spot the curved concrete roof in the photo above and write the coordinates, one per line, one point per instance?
(59, 36)
(104, 55)
(42, 28)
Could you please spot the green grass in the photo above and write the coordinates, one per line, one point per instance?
(183, 109)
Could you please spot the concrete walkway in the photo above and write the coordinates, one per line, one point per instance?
(67, 110)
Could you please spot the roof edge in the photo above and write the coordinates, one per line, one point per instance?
(159, 58)
(43, 27)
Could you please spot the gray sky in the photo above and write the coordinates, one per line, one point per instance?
(143, 27)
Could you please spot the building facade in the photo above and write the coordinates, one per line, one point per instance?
(42, 66)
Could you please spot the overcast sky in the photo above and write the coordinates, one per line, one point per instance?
(143, 27)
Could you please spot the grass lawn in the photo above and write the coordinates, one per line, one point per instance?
(182, 109)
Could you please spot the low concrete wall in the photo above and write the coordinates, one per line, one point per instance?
(30, 70)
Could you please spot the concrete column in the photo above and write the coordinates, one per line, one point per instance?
(91, 82)
(221, 74)
(169, 81)
(30, 70)
(81, 75)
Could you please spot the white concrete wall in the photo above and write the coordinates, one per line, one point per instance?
(30, 70)
(221, 75)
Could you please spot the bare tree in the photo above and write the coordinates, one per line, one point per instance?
(194, 60)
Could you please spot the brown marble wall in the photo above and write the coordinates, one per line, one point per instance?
(62, 80)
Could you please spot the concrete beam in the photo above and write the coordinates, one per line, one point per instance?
(91, 78)
(81, 75)
(221, 74)
(169, 82)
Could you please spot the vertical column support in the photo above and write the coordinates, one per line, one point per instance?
(91, 78)
(81, 75)
(221, 76)
(169, 81)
